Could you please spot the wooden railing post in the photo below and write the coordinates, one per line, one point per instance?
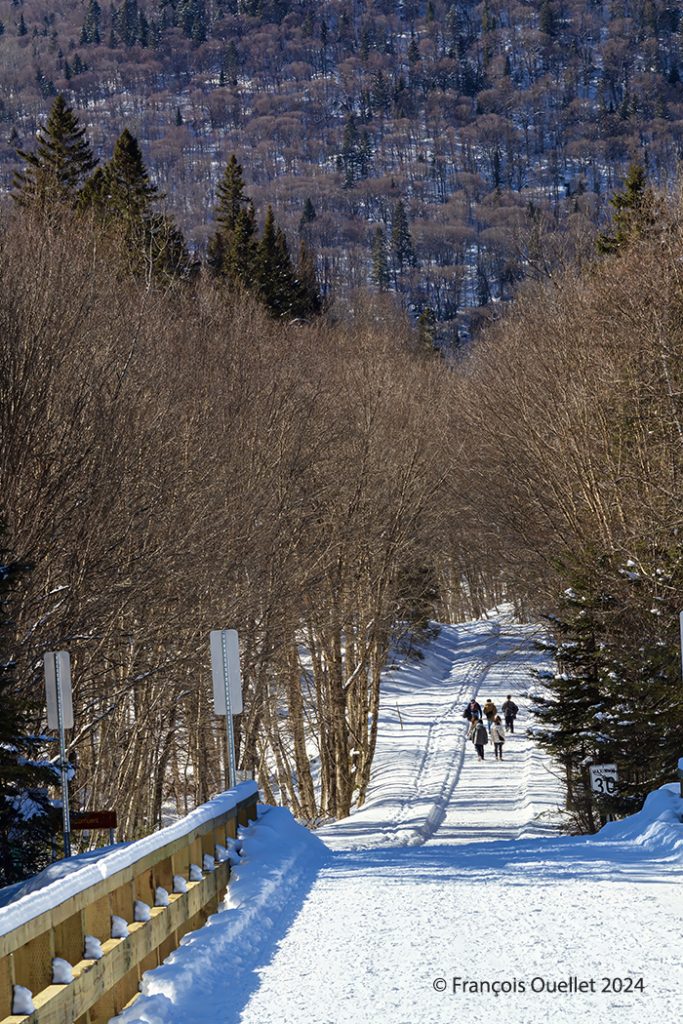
(103, 987)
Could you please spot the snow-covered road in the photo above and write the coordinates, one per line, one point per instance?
(452, 870)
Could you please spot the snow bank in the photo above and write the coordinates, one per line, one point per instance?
(65, 883)
(280, 860)
(657, 826)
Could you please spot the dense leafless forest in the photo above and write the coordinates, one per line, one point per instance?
(172, 459)
(495, 124)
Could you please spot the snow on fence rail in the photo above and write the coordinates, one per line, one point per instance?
(107, 923)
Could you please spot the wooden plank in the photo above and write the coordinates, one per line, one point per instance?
(68, 935)
(25, 933)
(33, 963)
(6, 992)
(102, 988)
(94, 979)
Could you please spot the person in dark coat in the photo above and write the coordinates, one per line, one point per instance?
(480, 738)
(472, 711)
(510, 710)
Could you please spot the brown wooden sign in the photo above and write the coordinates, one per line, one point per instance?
(81, 820)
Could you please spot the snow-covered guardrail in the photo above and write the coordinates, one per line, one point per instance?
(73, 952)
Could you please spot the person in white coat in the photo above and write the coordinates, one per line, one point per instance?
(497, 738)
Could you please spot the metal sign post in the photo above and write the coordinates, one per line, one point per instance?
(604, 783)
(227, 688)
(60, 716)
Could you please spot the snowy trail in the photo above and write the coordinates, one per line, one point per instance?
(452, 869)
(427, 783)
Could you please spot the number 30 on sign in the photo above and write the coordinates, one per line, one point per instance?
(603, 779)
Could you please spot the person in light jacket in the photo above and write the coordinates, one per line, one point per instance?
(480, 738)
(497, 738)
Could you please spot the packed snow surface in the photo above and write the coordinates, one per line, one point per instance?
(450, 896)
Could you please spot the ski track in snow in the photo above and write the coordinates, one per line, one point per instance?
(452, 868)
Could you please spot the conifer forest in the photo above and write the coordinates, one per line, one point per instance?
(328, 322)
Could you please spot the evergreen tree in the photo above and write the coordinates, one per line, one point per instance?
(356, 152)
(380, 262)
(25, 825)
(426, 330)
(230, 200)
(240, 259)
(277, 285)
(57, 169)
(308, 214)
(90, 33)
(615, 697)
(402, 249)
(123, 199)
(634, 211)
(129, 194)
(308, 301)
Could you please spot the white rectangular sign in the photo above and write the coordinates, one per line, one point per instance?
(53, 660)
(603, 779)
(225, 657)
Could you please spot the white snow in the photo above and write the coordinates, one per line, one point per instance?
(196, 873)
(22, 1000)
(119, 927)
(93, 947)
(61, 971)
(141, 911)
(453, 869)
(179, 884)
(161, 897)
(62, 882)
(212, 964)
(208, 862)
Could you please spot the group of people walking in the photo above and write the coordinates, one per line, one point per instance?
(480, 730)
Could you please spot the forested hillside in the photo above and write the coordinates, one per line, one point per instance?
(426, 149)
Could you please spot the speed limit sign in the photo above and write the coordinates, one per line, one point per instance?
(603, 779)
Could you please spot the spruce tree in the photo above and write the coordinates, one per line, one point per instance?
(55, 172)
(25, 824)
(230, 199)
(90, 33)
(277, 285)
(402, 249)
(308, 214)
(308, 300)
(380, 263)
(239, 261)
(124, 199)
(634, 211)
(130, 193)
(426, 331)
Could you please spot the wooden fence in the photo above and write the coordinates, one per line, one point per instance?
(102, 987)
